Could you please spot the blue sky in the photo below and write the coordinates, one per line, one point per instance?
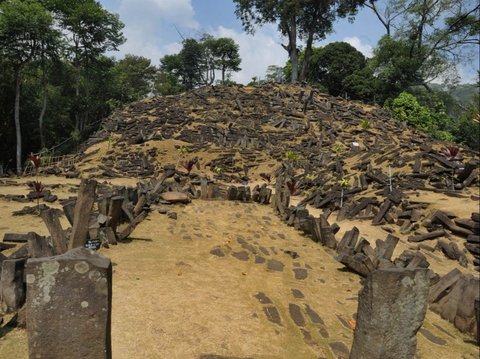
(154, 28)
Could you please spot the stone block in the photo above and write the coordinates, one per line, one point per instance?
(69, 306)
(12, 287)
(391, 309)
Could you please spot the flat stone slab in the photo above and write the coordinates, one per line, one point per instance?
(217, 252)
(272, 314)
(340, 350)
(69, 306)
(431, 337)
(300, 273)
(296, 315)
(297, 294)
(243, 255)
(262, 298)
(313, 315)
(275, 265)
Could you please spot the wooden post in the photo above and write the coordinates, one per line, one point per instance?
(83, 207)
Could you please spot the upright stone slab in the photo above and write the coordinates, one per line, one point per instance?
(81, 218)
(12, 287)
(391, 309)
(69, 306)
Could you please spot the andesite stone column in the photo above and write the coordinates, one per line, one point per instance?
(68, 306)
(391, 309)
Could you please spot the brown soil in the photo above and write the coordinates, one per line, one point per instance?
(173, 298)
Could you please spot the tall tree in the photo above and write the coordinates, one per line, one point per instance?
(435, 34)
(333, 63)
(24, 27)
(225, 54)
(308, 20)
(90, 31)
(134, 77)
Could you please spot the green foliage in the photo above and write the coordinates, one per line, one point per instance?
(365, 124)
(291, 155)
(166, 84)
(196, 63)
(309, 20)
(338, 148)
(134, 78)
(332, 64)
(344, 183)
(405, 108)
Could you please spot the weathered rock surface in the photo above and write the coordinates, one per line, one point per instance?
(12, 288)
(391, 309)
(69, 306)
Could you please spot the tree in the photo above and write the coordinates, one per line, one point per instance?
(226, 55)
(333, 63)
(90, 31)
(166, 84)
(435, 35)
(25, 26)
(307, 20)
(134, 77)
(197, 62)
(275, 74)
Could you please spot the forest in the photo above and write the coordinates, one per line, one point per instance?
(58, 78)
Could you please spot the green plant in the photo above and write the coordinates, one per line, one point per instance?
(182, 150)
(338, 148)
(110, 140)
(344, 183)
(217, 169)
(36, 185)
(291, 155)
(365, 124)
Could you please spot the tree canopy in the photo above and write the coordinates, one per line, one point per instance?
(307, 20)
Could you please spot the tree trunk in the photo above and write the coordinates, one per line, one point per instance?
(77, 100)
(42, 113)
(292, 48)
(306, 57)
(223, 75)
(18, 130)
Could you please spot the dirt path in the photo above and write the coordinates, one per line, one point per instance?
(219, 281)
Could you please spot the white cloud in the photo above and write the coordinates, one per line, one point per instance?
(146, 23)
(150, 13)
(365, 49)
(257, 51)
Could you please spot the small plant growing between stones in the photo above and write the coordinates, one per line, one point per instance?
(451, 153)
(36, 185)
(338, 149)
(365, 124)
(188, 165)
(344, 183)
(267, 177)
(110, 140)
(290, 155)
(293, 186)
(217, 170)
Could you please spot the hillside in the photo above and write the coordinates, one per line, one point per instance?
(222, 277)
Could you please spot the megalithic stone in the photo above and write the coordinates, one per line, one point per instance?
(68, 306)
(12, 288)
(391, 309)
(83, 207)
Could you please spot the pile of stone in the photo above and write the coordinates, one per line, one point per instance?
(357, 254)
(456, 298)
